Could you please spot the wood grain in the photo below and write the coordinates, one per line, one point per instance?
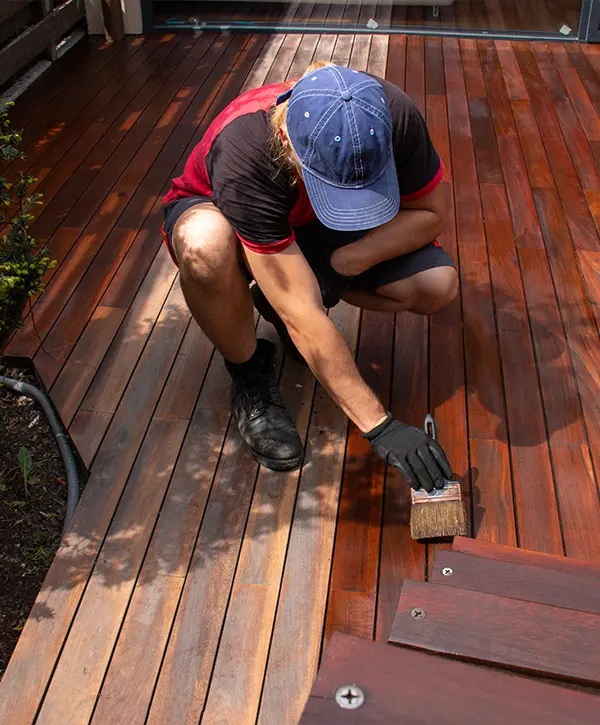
(576, 313)
(357, 541)
(77, 159)
(64, 77)
(103, 118)
(76, 557)
(401, 556)
(582, 103)
(127, 690)
(531, 583)
(531, 144)
(85, 360)
(138, 306)
(447, 401)
(485, 398)
(398, 683)
(492, 493)
(185, 670)
(560, 120)
(496, 89)
(240, 664)
(570, 160)
(96, 228)
(515, 87)
(80, 669)
(527, 558)
(535, 497)
(301, 608)
(472, 68)
(484, 140)
(121, 356)
(98, 79)
(524, 636)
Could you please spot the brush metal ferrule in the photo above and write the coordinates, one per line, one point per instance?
(450, 492)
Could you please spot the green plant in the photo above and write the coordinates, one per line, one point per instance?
(26, 465)
(22, 266)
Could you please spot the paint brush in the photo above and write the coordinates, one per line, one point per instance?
(439, 514)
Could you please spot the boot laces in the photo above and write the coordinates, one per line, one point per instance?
(262, 391)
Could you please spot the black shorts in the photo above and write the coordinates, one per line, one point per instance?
(317, 242)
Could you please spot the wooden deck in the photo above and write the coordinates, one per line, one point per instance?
(194, 586)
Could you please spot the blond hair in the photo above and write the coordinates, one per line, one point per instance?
(282, 150)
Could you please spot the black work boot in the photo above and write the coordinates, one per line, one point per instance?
(260, 413)
(266, 311)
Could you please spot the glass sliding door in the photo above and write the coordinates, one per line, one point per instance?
(496, 18)
(590, 21)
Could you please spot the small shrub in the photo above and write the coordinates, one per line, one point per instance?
(22, 266)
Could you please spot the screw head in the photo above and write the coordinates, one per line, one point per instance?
(418, 613)
(349, 697)
(447, 571)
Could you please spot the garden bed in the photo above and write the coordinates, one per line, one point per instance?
(31, 514)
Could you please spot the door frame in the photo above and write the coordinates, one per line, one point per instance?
(588, 30)
(589, 22)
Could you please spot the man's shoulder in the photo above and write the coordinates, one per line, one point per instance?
(400, 103)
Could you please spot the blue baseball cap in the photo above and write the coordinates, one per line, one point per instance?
(339, 124)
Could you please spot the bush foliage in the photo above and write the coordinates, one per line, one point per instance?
(22, 265)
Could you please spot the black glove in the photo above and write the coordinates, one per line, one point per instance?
(420, 459)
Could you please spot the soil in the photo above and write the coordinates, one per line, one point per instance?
(31, 513)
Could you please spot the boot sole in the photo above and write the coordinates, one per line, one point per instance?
(289, 464)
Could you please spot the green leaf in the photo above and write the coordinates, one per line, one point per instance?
(25, 464)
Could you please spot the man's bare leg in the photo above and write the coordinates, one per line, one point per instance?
(424, 293)
(216, 291)
(213, 282)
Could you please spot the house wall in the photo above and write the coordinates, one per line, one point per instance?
(132, 16)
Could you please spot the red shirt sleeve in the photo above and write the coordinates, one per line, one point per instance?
(272, 248)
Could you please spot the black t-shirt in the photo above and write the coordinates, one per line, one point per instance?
(233, 166)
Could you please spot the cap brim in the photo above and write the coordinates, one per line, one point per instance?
(351, 210)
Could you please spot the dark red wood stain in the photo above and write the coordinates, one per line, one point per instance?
(398, 683)
(525, 636)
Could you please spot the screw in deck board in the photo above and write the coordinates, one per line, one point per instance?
(447, 571)
(349, 697)
(418, 613)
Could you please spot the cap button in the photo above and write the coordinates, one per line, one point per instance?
(346, 95)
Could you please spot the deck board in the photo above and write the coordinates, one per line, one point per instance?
(193, 585)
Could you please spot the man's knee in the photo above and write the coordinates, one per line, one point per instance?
(205, 247)
(436, 289)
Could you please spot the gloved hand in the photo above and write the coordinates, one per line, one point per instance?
(420, 459)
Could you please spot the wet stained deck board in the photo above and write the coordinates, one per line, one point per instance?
(193, 585)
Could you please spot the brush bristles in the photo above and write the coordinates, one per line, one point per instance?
(438, 520)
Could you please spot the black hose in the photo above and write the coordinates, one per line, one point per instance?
(61, 440)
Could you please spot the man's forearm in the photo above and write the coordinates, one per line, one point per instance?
(409, 230)
(328, 356)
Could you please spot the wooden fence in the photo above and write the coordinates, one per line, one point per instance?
(44, 21)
